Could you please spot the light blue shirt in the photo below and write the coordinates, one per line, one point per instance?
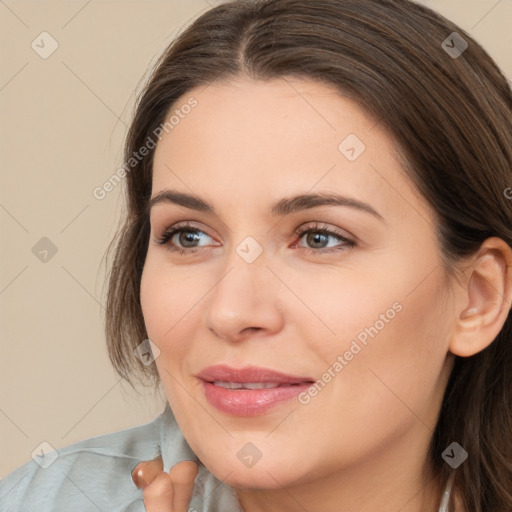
(95, 474)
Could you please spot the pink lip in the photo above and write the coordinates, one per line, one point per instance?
(249, 402)
(248, 374)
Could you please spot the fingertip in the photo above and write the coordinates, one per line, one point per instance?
(138, 477)
(184, 472)
(145, 471)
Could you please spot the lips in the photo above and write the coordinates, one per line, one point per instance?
(251, 390)
(250, 375)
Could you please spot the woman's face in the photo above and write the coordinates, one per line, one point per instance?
(366, 317)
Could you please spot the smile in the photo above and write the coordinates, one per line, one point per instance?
(249, 391)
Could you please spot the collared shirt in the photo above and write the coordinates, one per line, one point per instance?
(95, 474)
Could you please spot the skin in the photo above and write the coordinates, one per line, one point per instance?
(361, 443)
(165, 492)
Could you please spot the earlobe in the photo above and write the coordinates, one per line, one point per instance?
(488, 297)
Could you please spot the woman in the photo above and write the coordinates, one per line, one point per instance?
(369, 372)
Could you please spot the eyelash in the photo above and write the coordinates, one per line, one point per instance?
(300, 232)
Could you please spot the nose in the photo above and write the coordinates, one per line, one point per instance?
(244, 303)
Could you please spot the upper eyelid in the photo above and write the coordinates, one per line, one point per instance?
(154, 220)
(185, 226)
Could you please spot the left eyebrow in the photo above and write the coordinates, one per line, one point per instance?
(306, 201)
(282, 207)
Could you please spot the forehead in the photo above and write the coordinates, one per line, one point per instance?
(264, 139)
(273, 121)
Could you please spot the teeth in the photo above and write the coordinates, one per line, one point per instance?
(261, 385)
(246, 385)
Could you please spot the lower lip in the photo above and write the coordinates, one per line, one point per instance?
(250, 402)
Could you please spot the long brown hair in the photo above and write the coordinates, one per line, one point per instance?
(451, 115)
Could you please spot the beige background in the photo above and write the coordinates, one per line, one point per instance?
(62, 123)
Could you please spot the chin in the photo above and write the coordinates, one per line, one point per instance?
(252, 479)
(262, 475)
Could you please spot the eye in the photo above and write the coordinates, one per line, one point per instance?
(183, 233)
(320, 235)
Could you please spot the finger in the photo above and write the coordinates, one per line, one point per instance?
(145, 472)
(182, 476)
(158, 495)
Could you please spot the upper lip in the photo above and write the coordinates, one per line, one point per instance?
(226, 373)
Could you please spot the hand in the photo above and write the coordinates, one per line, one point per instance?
(165, 492)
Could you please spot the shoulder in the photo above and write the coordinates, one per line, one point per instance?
(92, 474)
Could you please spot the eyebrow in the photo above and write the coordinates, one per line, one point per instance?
(282, 207)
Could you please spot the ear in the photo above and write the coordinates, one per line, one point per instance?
(488, 295)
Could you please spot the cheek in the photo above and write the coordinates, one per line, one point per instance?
(387, 325)
(344, 308)
(162, 307)
(395, 371)
(153, 301)
(172, 301)
(165, 304)
(167, 299)
(414, 343)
